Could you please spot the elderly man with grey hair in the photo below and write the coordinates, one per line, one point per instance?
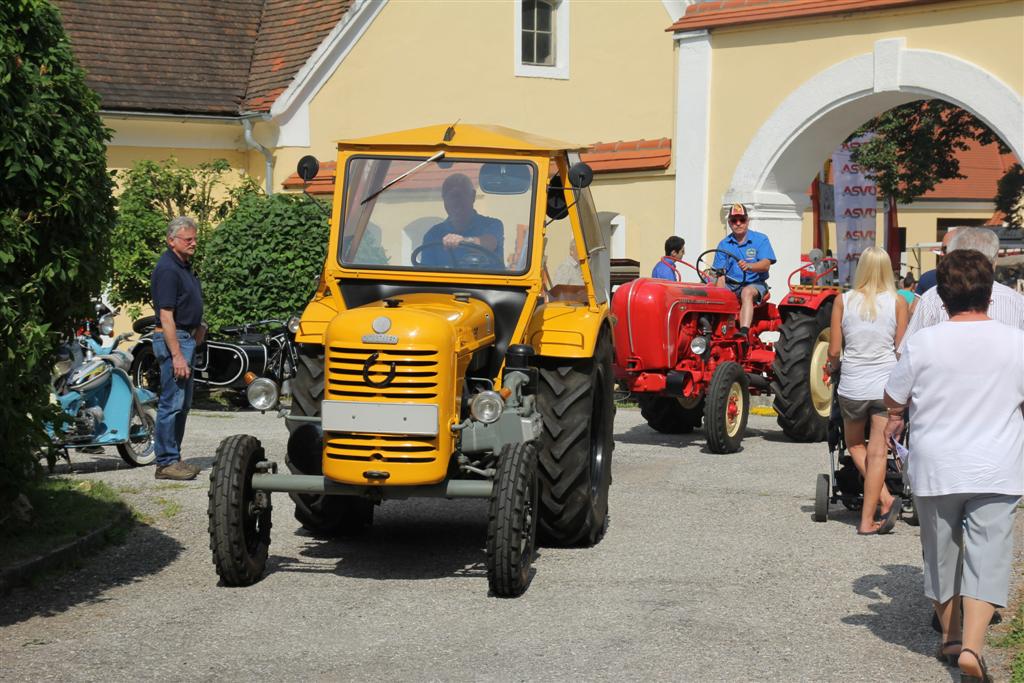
(178, 302)
(1006, 306)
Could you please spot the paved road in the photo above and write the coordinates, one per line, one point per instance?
(711, 570)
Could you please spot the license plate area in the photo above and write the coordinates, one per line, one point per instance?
(379, 418)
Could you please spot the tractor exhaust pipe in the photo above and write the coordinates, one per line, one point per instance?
(758, 382)
(317, 484)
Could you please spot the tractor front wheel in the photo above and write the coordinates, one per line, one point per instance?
(803, 398)
(727, 408)
(670, 415)
(512, 524)
(239, 516)
(575, 460)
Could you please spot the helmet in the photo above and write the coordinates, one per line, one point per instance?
(89, 375)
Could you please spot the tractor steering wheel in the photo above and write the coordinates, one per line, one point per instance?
(710, 274)
(474, 256)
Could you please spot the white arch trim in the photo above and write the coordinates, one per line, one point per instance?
(845, 95)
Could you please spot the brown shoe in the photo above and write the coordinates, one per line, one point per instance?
(178, 471)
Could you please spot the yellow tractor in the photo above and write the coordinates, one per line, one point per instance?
(458, 345)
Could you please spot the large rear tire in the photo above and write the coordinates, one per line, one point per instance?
(575, 459)
(512, 524)
(726, 408)
(670, 415)
(802, 398)
(239, 516)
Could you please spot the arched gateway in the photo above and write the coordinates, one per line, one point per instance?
(772, 171)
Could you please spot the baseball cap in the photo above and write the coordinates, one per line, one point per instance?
(737, 210)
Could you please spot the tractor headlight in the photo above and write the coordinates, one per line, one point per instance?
(262, 393)
(698, 345)
(293, 324)
(487, 406)
(106, 325)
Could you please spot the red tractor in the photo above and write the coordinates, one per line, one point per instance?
(678, 352)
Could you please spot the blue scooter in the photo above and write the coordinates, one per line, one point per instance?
(101, 405)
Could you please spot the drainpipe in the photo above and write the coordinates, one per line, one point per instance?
(268, 158)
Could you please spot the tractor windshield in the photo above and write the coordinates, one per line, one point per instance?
(437, 214)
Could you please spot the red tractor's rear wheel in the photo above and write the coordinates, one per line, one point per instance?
(670, 415)
(803, 399)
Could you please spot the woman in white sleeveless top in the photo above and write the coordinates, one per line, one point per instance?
(868, 323)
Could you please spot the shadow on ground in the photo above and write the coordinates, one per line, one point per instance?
(87, 583)
(900, 614)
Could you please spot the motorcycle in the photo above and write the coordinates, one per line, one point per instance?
(101, 404)
(252, 350)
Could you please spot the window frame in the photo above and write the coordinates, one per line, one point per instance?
(560, 44)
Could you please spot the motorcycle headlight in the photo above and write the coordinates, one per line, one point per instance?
(487, 406)
(698, 345)
(106, 325)
(262, 393)
(293, 324)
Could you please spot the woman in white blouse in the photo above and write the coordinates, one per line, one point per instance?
(867, 325)
(964, 382)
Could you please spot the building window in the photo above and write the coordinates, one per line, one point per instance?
(538, 32)
(542, 38)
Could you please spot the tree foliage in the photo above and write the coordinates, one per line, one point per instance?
(263, 260)
(153, 194)
(914, 147)
(1010, 195)
(56, 212)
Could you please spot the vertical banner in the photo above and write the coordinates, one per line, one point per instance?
(856, 204)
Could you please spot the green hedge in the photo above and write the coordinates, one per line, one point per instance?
(264, 259)
(56, 211)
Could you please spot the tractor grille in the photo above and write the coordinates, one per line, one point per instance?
(415, 374)
(380, 448)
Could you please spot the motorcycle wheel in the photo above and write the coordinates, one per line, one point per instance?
(140, 449)
(145, 370)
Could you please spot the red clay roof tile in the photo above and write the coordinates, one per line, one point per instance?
(722, 13)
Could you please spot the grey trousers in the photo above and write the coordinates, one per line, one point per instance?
(976, 528)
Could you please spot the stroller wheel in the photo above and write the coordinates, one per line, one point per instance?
(821, 499)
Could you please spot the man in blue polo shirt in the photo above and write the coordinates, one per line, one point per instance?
(178, 302)
(746, 274)
(454, 241)
(665, 269)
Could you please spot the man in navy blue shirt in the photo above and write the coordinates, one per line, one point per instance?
(178, 302)
(746, 274)
(443, 243)
(665, 269)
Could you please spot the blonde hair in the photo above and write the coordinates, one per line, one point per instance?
(874, 277)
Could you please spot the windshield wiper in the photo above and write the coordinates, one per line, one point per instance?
(405, 175)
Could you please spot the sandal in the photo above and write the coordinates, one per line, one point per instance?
(889, 520)
(968, 678)
(949, 658)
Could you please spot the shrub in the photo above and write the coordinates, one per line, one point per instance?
(263, 260)
(153, 194)
(56, 212)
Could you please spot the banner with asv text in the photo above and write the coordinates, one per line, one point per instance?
(856, 205)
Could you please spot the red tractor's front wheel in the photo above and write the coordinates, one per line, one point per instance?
(727, 408)
(803, 397)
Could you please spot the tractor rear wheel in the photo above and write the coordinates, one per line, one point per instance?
(321, 515)
(803, 399)
(726, 408)
(574, 398)
(670, 415)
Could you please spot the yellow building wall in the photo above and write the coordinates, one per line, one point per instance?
(646, 201)
(755, 68)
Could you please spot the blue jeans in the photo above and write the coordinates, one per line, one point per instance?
(175, 399)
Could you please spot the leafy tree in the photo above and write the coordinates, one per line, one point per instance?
(56, 211)
(1010, 195)
(263, 260)
(154, 193)
(915, 146)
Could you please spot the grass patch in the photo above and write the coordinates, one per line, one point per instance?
(130, 490)
(168, 508)
(172, 486)
(62, 510)
(767, 411)
(1010, 637)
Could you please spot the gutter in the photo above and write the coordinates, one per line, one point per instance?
(268, 157)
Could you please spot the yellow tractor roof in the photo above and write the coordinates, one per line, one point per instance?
(467, 135)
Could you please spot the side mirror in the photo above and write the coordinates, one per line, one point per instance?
(580, 175)
(308, 167)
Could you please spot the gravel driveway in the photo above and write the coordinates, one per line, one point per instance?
(711, 569)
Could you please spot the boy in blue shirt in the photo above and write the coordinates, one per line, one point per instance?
(665, 269)
(748, 272)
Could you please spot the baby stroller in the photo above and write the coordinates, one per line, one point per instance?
(845, 484)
